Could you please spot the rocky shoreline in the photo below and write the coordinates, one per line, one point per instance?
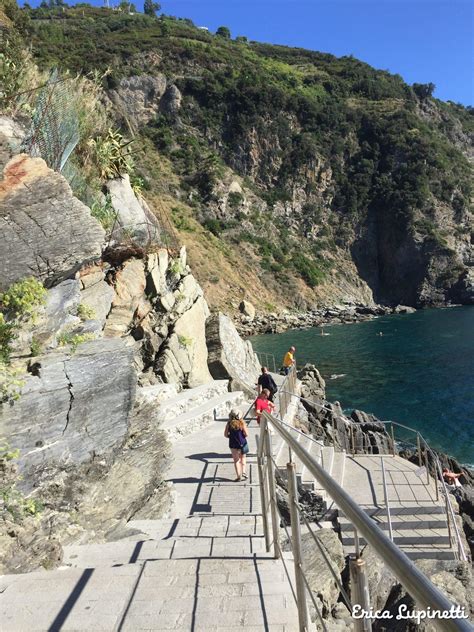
(251, 323)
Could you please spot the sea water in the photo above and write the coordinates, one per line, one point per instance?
(417, 369)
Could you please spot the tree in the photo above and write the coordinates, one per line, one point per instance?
(423, 90)
(223, 31)
(150, 7)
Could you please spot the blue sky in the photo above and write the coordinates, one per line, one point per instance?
(422, 40)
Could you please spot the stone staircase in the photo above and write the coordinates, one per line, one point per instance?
(203, 567)
(419, 524)
(194, 408)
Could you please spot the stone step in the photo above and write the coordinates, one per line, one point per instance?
(405, 510)
(203, 415)
(191, 398)
(411, 523)
(428, 553)
(158, 594)
(419, 537)
(156, 393)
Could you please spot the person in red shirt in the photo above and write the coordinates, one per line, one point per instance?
(263, 404)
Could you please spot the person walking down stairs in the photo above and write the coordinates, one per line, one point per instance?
(263, 404)
(267, 381)
(237, 432)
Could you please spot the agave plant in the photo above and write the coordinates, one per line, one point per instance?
(112, 154)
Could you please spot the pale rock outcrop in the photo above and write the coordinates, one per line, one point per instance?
(318, 573)
(171, 101)
(139, 97)
(230, 358)
(157, 265)
(97, 295)
(131, 216)
(129, 297)
(46, 232)
(184, 358)
(247, 309)
(74, 407)
(11, 137)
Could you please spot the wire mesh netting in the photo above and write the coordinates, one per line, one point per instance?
(54, 131)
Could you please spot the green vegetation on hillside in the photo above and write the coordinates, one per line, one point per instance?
(337, 159)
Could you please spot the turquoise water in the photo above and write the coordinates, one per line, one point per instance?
(419, 372)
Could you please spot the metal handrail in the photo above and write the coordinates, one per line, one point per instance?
(387, 504)
(416, 583)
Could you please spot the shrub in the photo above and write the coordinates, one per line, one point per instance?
(111, 154)
(23, 297)
(11, 383)
(105, 213)
(85, 312)
(184, 341)
(74, 340)
(307, 269)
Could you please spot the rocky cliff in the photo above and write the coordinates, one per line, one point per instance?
(304, 179)
(86, 360)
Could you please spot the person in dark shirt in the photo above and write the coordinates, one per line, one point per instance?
(266, 381)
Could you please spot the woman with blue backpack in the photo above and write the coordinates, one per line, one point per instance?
(236, 431)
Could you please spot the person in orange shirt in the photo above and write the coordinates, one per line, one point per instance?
(289, 360)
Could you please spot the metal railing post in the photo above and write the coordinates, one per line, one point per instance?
(392, 433)
(263, 496)
(352, 440)
(385, 493)
(303, 618)
(360, 592)
(272, 490)
(418, 447)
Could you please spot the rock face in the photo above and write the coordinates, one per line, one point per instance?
(453, 578)
(327, 422)
(132, 218)
(229, 356)
(77, 407)
(130, 283)
(139, 97)
(11, 137)
(34, 200)
(171, 101)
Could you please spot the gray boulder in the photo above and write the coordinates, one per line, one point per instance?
(74, 407)
(46, 232)
(132, 219)
(230, 358)
(313, 385)
(247, 309)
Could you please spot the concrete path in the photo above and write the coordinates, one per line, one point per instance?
(203, 568)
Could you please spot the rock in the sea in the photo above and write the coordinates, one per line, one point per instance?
(34, 202)
(404, 309)
(230, 358)
(247, 309)
(74, 407)
(313, 385)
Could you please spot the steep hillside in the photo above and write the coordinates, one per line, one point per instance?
(295, 178)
